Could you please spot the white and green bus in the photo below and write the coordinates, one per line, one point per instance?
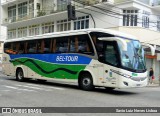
(89, 58)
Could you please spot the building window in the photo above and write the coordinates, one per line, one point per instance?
(33, 30)
(145, 19)
(130, 17)
(63, 25)
(22, 10)
(158, 25)
(81, 23)
(48, 27)
(12, 13)
(22, 32)
(31, 8)
(62, 4)
(11, 33)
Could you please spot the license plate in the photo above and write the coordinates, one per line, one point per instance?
(138, 85)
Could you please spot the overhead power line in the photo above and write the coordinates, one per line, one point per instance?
(108, 13)
(114, 6)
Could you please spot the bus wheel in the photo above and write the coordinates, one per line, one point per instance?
(86, 82)
(20, 75)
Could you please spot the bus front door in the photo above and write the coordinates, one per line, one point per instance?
(111, 62)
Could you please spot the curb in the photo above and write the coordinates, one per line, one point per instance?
(153, 85)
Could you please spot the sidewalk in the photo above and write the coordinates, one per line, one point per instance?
(153, 85)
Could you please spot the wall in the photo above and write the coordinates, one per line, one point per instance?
(3, 34)
(144, 35)
(143, 8)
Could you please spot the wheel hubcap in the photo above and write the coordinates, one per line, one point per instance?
(86, 81)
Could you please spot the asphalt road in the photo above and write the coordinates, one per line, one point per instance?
(35, 94)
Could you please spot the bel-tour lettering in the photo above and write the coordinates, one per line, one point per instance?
(67, 58)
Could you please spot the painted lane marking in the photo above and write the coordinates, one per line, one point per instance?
(11, 87)
(58, 88)
(33, 87)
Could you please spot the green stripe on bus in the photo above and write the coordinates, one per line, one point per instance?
(50, 70)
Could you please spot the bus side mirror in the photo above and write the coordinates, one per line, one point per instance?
(118, 39)
(153, 48)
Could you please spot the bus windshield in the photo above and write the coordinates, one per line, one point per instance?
(112, 53)
(133, 58)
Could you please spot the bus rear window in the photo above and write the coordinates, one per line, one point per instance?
(10, 48)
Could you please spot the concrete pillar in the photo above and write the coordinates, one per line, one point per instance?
(155, 67)
(55, 5)
(55, 26)
(17, 12)
(72, 25)
(35, 6)
(40, 29)
(27, 30)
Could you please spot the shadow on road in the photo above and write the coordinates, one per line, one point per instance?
(96, 90)
(115, 91)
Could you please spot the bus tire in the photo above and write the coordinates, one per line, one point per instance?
(86, 82)
(19, 75)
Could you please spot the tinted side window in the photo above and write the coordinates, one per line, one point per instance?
(98, 44)
(41, 46)
(81, 44)
(10, 48)
(84, 45)
(62, 45)
(7, 48)
(32, 47)
(20, 48)
(47, 45)
(73, 46)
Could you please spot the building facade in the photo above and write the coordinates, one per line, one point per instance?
(24, 18)
(2, 37)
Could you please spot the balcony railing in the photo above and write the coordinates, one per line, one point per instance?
(119, 1)
(46, 11)
(30, 16)
(6, 1)
(16, 19)
(89, 2)
(155, 3)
